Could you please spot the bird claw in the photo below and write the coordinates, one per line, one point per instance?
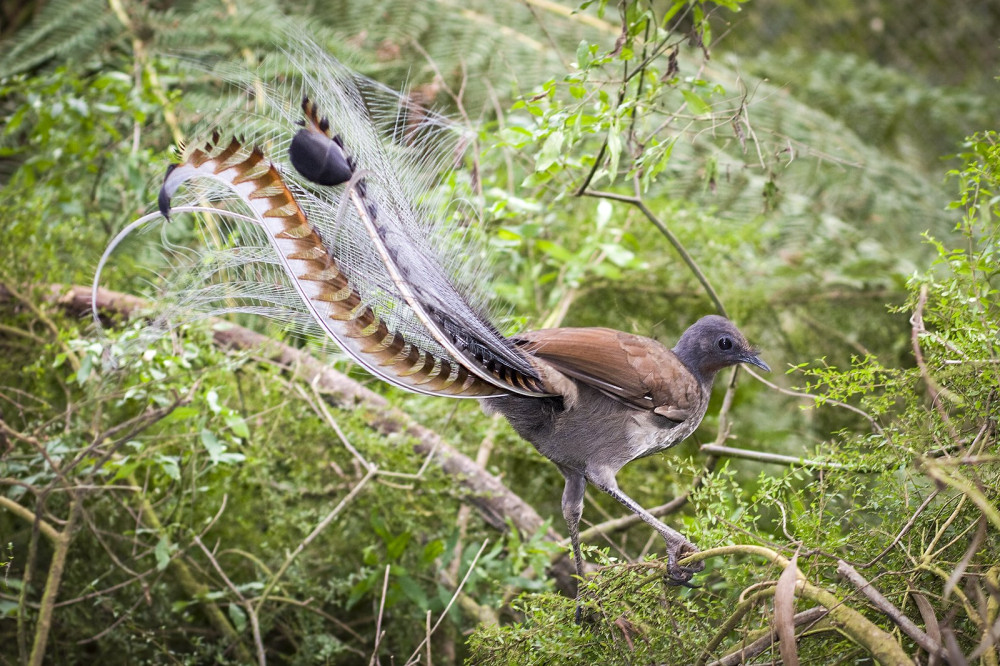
(678, 574)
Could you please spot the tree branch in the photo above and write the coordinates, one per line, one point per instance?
(866, 633)
(49, 532)
(671, 238)
(880, 602)
(745, 653)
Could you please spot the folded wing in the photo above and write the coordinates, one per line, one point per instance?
(636, 371)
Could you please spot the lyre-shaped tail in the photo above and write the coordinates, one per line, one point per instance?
(388, 219)
(327, 292)
(341, 177)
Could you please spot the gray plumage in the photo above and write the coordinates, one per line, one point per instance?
(620, 397)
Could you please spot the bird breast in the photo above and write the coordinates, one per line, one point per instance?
(651, 433)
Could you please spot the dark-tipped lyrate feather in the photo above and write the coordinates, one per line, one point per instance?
(326, 289)
(315, 153)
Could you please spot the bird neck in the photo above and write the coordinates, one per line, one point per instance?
(692, 357)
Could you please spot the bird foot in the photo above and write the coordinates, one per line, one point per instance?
(676, 573)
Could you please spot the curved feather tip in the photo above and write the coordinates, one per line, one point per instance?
(163, 200)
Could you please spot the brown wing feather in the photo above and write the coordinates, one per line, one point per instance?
(636, 370)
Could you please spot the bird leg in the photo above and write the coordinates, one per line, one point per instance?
(572, 508)
(677, 544)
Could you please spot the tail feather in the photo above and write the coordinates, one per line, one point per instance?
(352, 209)
(320, 157)
(326, 290)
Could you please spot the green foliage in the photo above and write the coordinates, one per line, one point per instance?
(81, 163)
(799, 182)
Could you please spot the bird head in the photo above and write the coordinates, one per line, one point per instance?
(713, 343)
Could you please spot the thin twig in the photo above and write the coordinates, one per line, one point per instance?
(427, 634)
(378, 623)
(312, 536)
(444, 613)
(254, 624)
(306, 605)
(935, 390)
(671, 238)
(765, 457)
(880, 602)
(826, 401)
(906, 528)
(320, 407)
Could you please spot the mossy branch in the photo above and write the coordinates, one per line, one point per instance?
(879, 643)
(52, 582)
(47, 530)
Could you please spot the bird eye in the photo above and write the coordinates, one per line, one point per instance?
(725, 344)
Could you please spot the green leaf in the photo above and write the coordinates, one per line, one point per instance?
(674, 8)
(413, 592)
(554, 250)
(583, 54)
(397, 545)
(169, 466)
(617, 254)
(238, 616)
(432, 551)
(212, 398)
(360, 589)
(506, 234)
(237, 425)
(515, 136)
(604, 210)
(697, 105)
(550, 152)
(212, 445)
(614, 151)
(86, 364)
(183, 413)
(162, 553)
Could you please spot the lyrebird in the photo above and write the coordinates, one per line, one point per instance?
(329, 184)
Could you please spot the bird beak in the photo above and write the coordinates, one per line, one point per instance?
(753, 359)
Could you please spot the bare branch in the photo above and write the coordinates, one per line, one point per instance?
(878, 642)
(765, 457)
(444, 613)
(378, 623)
(671, 238)
(885, 606)
(47, 530)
